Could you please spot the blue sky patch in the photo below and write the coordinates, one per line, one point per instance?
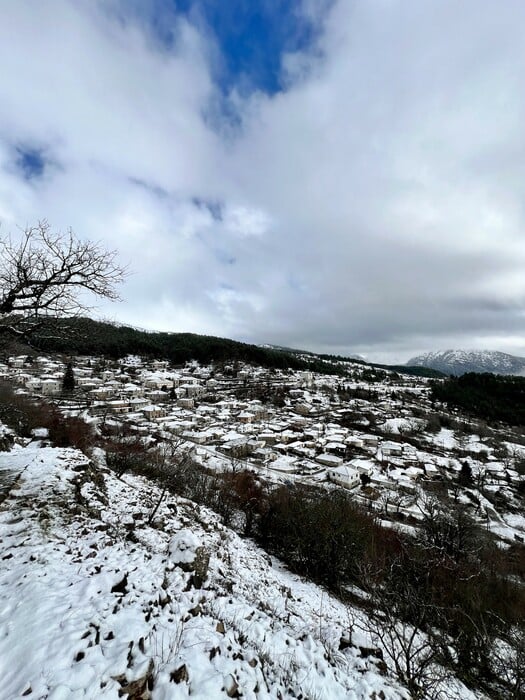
(30, 162)
(252, 36)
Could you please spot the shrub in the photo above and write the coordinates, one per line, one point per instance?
(23, 414)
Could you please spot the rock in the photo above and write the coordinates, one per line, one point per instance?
(121, 586)
(231, 687)
(138, 689)
(344, 643)
(180, 675)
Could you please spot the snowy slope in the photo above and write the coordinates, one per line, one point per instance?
(460, 361)
(93, 601)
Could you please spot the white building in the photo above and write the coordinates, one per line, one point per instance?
(329, 460)
(51, 387)
(344, 476)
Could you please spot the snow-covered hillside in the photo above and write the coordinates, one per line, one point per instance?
(95, 603)
(461, 361)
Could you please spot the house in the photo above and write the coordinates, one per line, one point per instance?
(336, 448)
(119, 406)
(17, 362)
(239, 448)
(34, 384)
(287, 436)
(190, 390)
(391, 449)
(329, 460)
(305, 378)
(362, 466)
(258, 410)
(344, 476)
(132, 390)
(152, 411)
(101, 393)
(51, 387)
(198, 437)
(159, 364)
(246, 417)
(157, 395)
(296, 393)
(157, 382)
(268, 438)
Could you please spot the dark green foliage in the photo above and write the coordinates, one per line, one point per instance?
(488, 396)
(374, 375)
(68, 382)
(87, 337)
(322, 535)
(465, 474)
(434, 424)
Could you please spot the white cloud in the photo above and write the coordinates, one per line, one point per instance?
(246, 222)
(375, 206)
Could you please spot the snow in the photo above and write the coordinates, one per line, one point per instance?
(399, 425)
(458, 361)
(92, 598)
(183, 547)
(68, 523)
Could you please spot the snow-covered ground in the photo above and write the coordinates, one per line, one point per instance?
(94, 601)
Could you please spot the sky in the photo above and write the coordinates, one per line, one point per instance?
(344, 176)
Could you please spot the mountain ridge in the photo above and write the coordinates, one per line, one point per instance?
(458, 362)
(86, 336)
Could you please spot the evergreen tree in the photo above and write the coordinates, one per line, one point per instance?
(465, 475)
(68, 382)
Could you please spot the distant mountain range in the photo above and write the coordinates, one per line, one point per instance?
(458, 362)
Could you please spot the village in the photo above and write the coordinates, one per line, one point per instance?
(376, 435)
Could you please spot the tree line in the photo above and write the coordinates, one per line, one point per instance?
(86, 336)
(487, 396)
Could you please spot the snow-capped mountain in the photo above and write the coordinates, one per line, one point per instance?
(461, 361)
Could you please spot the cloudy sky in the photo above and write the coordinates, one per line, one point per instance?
(345, 176)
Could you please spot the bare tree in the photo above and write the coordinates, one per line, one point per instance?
(45, 274)
(405, 627)
(508, 660)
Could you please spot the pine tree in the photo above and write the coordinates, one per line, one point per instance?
(465, 474)
(68, 382)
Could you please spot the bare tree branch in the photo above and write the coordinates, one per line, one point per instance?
(44, 274)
